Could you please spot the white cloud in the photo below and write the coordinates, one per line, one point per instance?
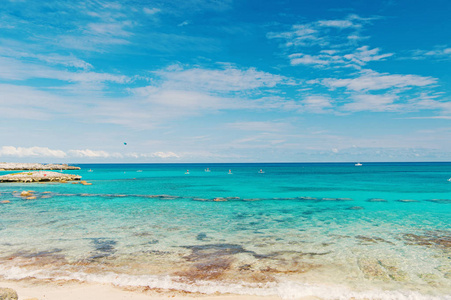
(90, 153)
(383, 92)
(31, 152)
(159, 154)
(439, 53)
(69, 61)
(336, 39)
(356, 59)
(89, 42)
(20, 152)
(317, 104)
(431, 117)
(151, 11)
(445, 107)
(219, 80)
(337, 23)
(52, 58)
(110, 29)
(23, 102)
(184, 100)
(259, 126)
(165, 155)
(364, 54)
(371, 80)
(184, 23)
(377, 103)
(13, 69)
(305, 59)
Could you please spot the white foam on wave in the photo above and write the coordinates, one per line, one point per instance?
(283, 289)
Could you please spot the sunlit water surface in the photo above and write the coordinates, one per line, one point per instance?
(379, 231)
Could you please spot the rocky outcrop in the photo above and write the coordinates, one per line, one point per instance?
(32, 166)
(39, 176)
(8, 294)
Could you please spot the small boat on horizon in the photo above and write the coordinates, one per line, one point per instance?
(358, 164)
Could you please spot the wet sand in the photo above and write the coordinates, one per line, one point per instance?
(31, 289)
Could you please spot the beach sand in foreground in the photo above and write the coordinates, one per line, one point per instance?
(30, 289)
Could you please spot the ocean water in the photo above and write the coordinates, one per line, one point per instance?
(334, 231)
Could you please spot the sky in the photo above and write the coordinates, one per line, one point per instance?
(225, 81)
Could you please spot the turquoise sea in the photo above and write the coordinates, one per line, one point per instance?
(330, 230)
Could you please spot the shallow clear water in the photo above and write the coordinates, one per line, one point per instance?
(381, 230)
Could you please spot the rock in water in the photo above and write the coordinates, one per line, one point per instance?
(38, 176)
(34, 166)
(26, 194)
(8, 294)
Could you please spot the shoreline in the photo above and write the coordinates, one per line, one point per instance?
(74, 290)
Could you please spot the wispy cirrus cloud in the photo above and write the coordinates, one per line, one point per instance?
(317, 104)
(10, 49)
(360, 57)
(382, 92)
(174, 94)
(226, 79)
(151, 11)
(443, 106)
(439, 53)
(14, 69)
(369, 102)
(370, 80)
(114, 29)
(329, 43)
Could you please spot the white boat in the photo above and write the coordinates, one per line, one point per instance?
(449, 180)
(358, 164)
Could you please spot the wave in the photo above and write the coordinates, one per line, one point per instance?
(283, 288)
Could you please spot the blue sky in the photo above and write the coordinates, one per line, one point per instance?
(225, 81)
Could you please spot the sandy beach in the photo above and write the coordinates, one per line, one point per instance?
(32, 290)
